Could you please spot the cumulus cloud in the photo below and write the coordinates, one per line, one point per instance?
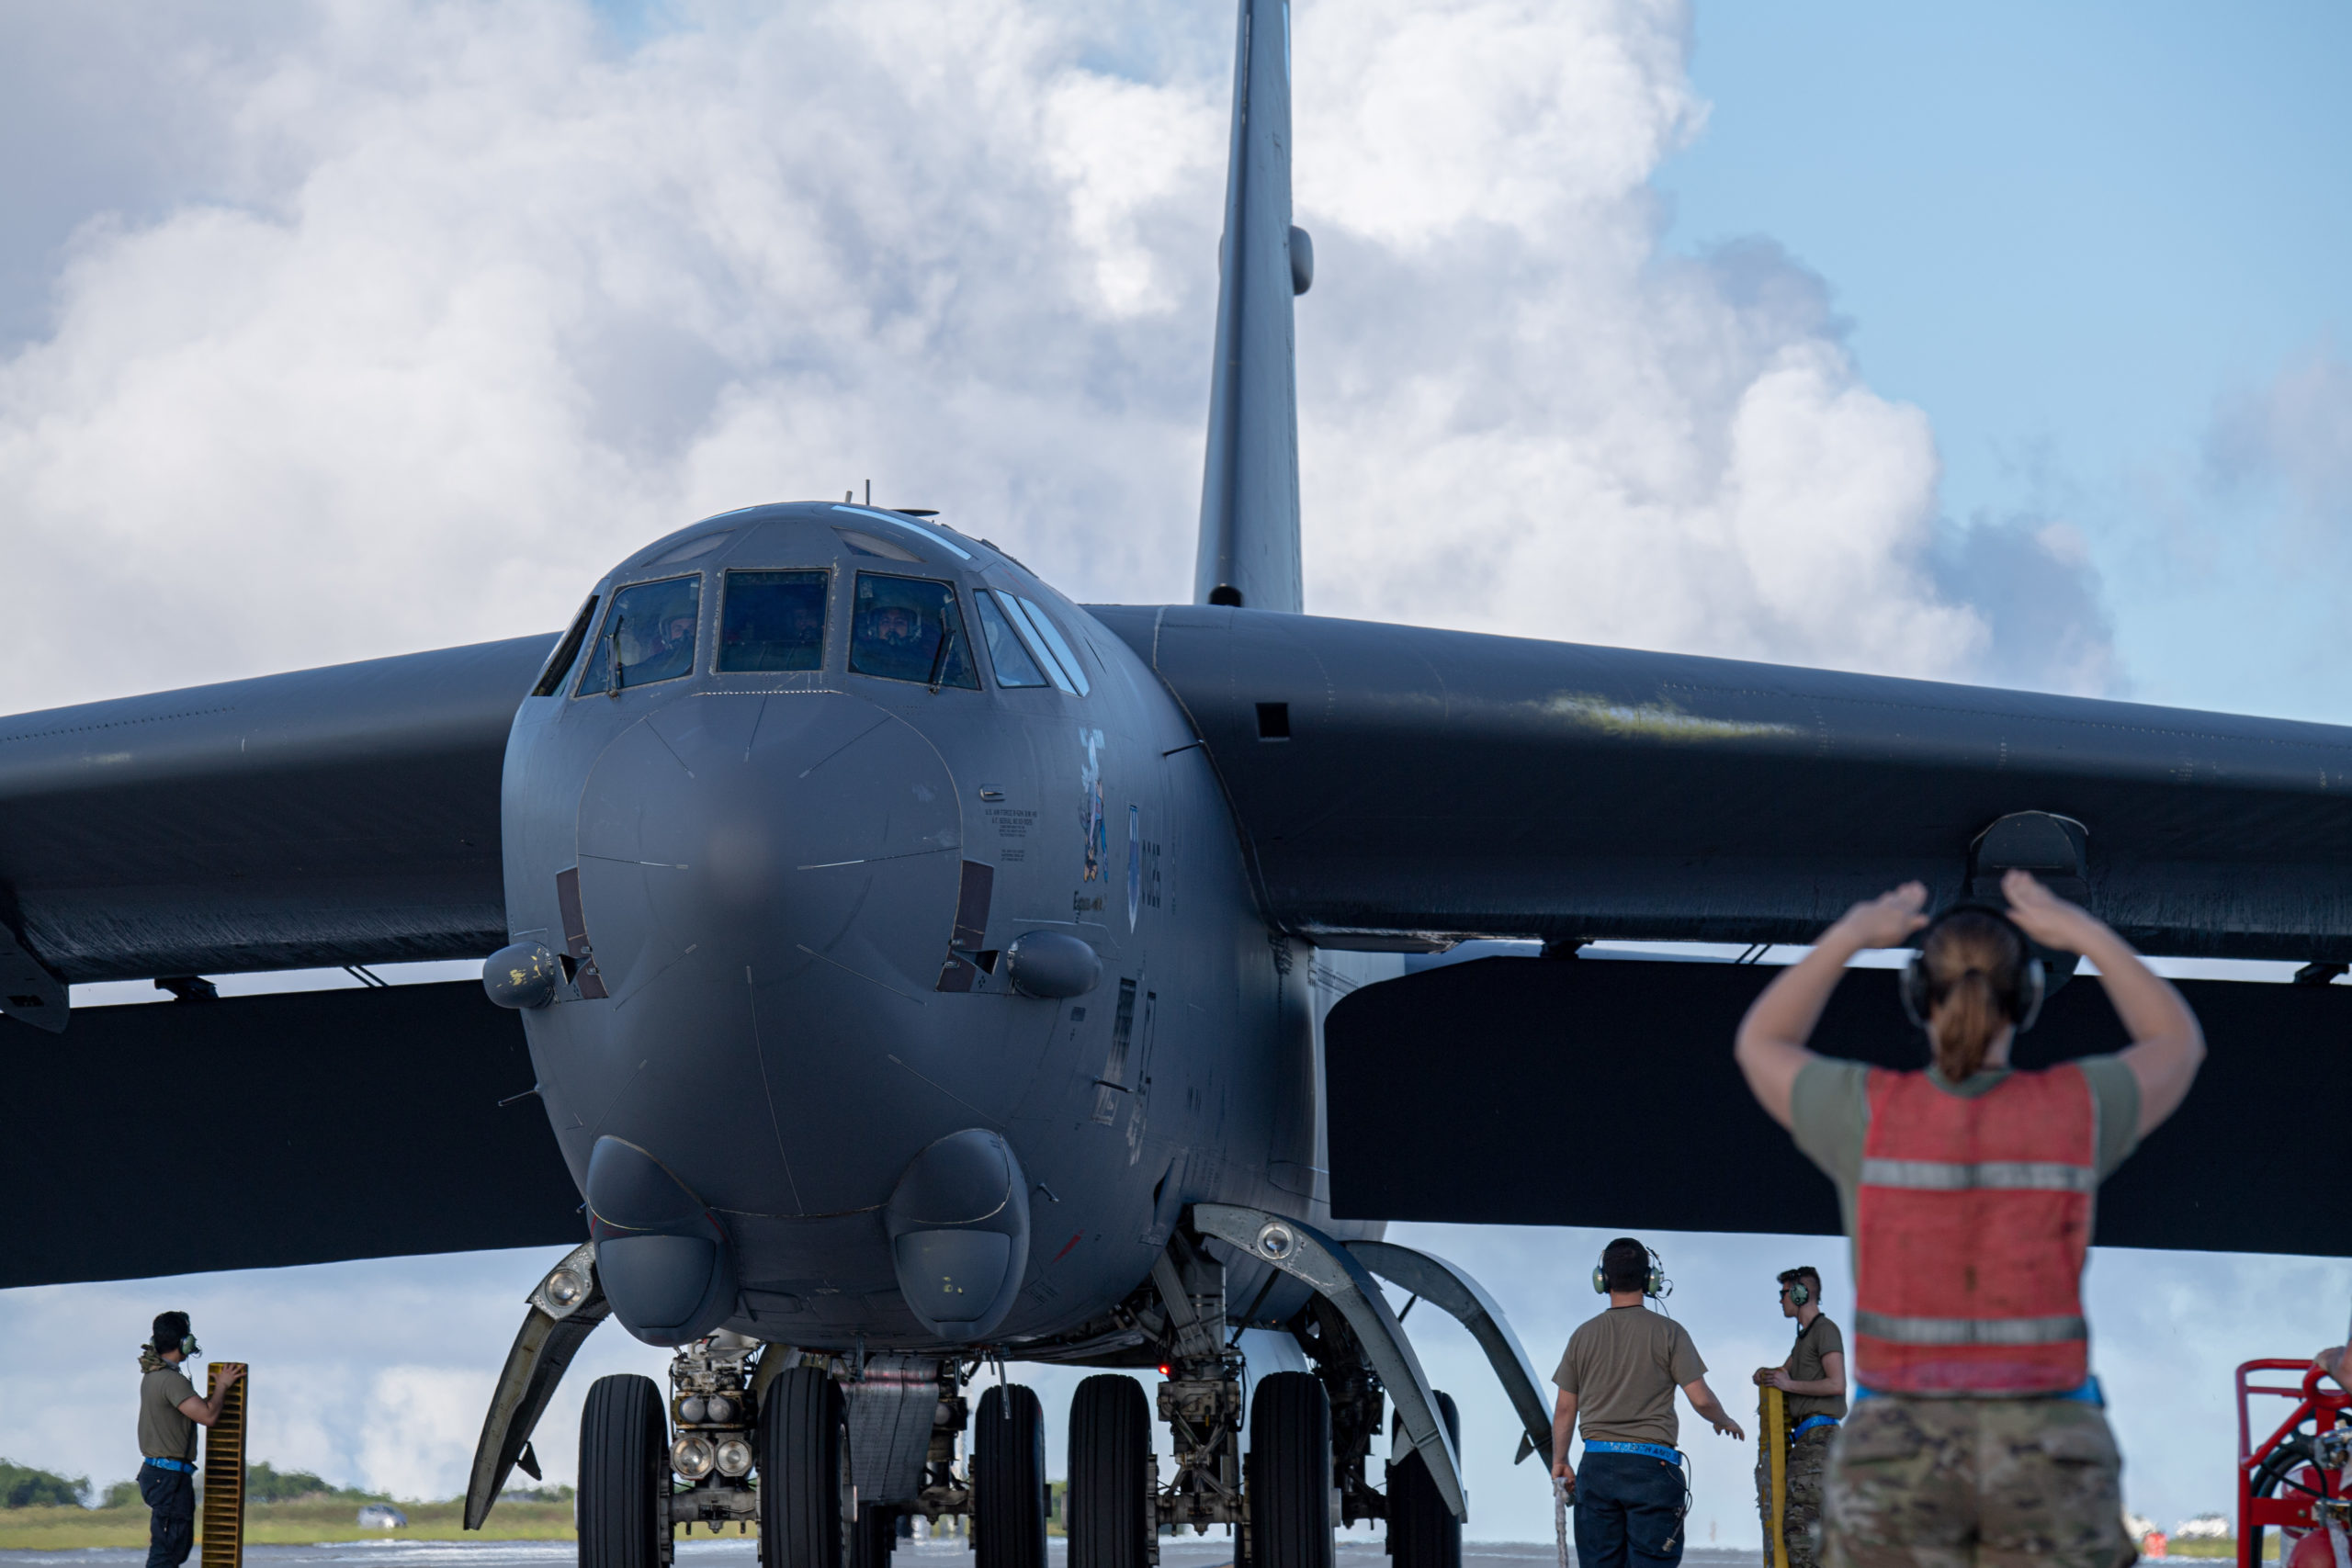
(2295, 436)
(383, 324)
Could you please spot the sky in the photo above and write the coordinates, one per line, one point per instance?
(2004, 344)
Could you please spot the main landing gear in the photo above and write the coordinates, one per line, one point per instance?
(834, 1457)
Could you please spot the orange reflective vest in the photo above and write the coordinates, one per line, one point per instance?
(1971, 1226)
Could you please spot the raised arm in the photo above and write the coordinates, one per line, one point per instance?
(1770, 1045)
(2167, 1046)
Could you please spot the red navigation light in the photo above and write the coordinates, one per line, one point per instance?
(1163, 1369)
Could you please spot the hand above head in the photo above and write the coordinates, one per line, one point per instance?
(1885, 921)
(2046, 918)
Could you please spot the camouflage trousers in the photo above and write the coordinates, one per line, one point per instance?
(1975, 1484)
(1808, 1456)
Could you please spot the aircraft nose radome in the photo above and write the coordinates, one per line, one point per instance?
(769, 883)
(770, 832)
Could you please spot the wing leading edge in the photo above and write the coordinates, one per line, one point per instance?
(348, 815)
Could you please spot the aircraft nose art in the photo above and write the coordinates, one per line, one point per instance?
(769, 833)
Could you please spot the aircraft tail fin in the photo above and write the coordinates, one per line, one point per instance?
(1248, 544)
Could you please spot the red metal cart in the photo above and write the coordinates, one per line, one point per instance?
(2278, 1478)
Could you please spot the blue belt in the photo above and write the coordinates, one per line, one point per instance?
(1655, 1451)
(180, 1465)
(2088, 1393)
(1809, 1423)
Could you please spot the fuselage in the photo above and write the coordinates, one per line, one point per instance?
(807, 774)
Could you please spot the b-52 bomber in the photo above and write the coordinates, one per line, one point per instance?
(894, 970)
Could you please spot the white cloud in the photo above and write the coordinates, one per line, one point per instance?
(2294, 434)
(390, 323)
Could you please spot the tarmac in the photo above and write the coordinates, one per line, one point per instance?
(737, 1551)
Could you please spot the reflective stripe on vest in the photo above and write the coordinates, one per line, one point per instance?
(1971, 1330)
(1971, 1226)
(2002, 1175)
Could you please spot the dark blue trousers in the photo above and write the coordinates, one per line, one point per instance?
(170, 1495)
(1629, 1509)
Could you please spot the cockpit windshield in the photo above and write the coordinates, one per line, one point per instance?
(908, 629)
(648, 636)
(772, 620)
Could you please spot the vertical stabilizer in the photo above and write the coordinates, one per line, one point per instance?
(1249, 550)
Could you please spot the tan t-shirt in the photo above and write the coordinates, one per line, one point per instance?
(164, 1430)
(1804, 1365)
(1623, 1368)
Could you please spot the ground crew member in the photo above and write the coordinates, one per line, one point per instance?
(1813, 1385)
(1977, 1432)
(169, 1414)
(1620, 1372)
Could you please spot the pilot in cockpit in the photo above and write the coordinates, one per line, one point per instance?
(898, 628)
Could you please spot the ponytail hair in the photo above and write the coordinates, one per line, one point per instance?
(1975, 964)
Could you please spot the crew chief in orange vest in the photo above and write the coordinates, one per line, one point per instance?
(1977, 1434)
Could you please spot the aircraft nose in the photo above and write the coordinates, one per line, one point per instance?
(769, 885)
(769, 833)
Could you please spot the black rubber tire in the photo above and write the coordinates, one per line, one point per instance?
(1112, 1475)
(805, 1497)
(624, 1470)
(1290, 1473)
(876, 1537)
(1423, 1531)
(1009, 1479)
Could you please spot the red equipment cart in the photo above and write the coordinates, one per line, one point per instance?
(2279, 1479)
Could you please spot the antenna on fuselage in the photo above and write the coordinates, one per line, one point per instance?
(1248, 546)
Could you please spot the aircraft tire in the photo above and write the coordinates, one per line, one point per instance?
(624, 1462)
(1423, 1531)
(877, 1536)
(805, 1490)
(1112, 1475)
(1290, 1473)
(1009, 1479)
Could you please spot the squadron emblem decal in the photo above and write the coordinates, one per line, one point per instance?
(1090, 811)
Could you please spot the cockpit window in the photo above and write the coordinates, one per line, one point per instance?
(1057, 649)
(648, 636)
(560, 662)
(1014, 663)
(908, 629)
(772, 620)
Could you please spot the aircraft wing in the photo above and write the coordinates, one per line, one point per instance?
(348, 815)
(1398, 786)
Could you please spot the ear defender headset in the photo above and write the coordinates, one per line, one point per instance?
(1799, 1292)
(1653, 1283)
(2021, 1001)
(164, 1337)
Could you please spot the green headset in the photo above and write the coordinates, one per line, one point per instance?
(1653, 1283)
(1798, 1291)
